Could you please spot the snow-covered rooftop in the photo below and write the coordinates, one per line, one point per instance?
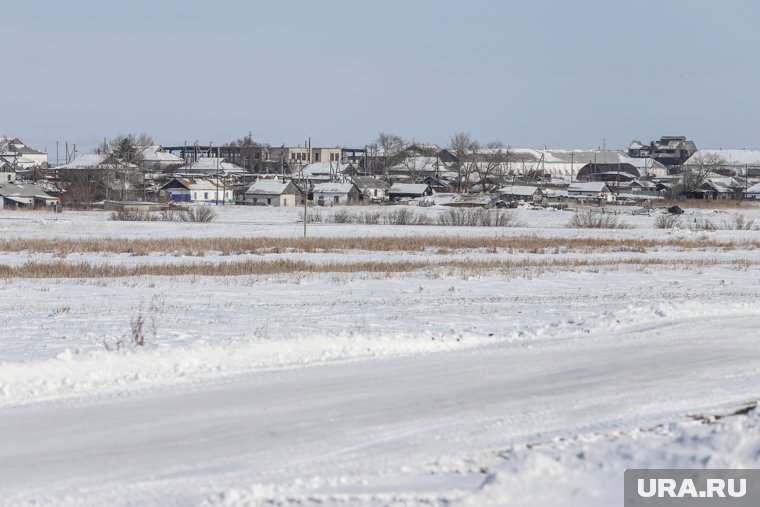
(158, 154)
(333, 188)
(408, 188)
(92, 161)
(518, 190)
(208, 165)
(270, 187)
(589, 186)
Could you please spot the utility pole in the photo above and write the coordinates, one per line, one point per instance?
(572, 165)
(216, 190)
(305, 198)
(224, 179)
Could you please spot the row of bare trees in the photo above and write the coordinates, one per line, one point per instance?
(473, 162)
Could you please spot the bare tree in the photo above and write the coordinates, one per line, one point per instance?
(416, 166)
(697, 171)
(389, 147)
(491, 165)
(250, 151)
(465, 150)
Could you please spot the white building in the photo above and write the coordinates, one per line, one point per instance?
(21, 156)
(273, 193)
(197, 190)
(591, 190)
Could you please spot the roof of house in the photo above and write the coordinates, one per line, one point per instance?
(417, 164)
(15, 145)
(22, 190)
(94, 161)
(519, 190)
(210, 165)
(369, 182)
(481, 199)
(85, 161)
(590, 186)
(158, 154)
(754, 189)
(333, 188)
(270, 187)
(408, 188)
(722, 184)
(320, 168)
(197, 183)
(643, 183)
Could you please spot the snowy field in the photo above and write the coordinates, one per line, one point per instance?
(480, 376)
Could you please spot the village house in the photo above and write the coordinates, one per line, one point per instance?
(208, 167)
(590, 190)
(196, 190)
(266, 192)
(721, 188)
(155, 158)
(99, 176)
(372, 189)
(521, 193)
(21, 156)
(23, 195)
(668, 151)
(399, 191)
(329, 194)
(752, 192)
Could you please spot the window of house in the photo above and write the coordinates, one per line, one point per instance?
(255, 200)
(375, 192)
(284, 202)
(205, 195)
(316, 157)
(269, 201)
(336, 199)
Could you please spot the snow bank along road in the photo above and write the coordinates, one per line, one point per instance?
(421, 388)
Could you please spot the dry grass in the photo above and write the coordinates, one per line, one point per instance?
(284, 266)
(708, 204)
(593, 220)
(200, 247)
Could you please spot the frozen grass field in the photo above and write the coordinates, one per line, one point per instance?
(372, 364)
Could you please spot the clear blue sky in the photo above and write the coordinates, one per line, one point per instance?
(557, 73)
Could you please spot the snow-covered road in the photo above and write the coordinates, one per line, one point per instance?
(421, 427)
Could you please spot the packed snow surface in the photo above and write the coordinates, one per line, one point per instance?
(429, 387)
